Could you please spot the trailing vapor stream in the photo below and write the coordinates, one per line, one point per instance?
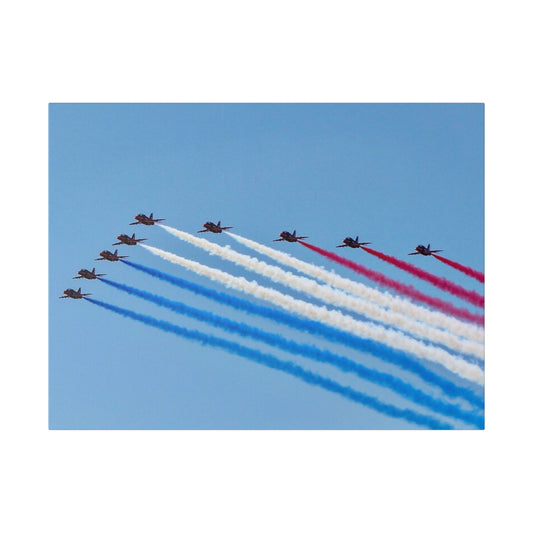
(283, 366)
(399, 287)
(308, 351)
(333, 318)
(464, 269)
(316, 328)
(335, 296)
(442, 283)
(384, 299)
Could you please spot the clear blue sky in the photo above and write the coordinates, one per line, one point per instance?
(397, 175)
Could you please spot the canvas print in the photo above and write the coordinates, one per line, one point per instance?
(266, 266)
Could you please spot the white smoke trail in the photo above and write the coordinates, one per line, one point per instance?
(333, 318)
(334, 296)
(396, 303)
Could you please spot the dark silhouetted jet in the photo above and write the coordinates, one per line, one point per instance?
(147, 221)
(87, 274)
(124, 239)
(422, 250)
(71, 293)
(106, 254)
(214, 228)
(351, 243)
(290, 237)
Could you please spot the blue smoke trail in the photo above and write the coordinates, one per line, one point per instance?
(284, 366)
(309, 351)
(366, 345)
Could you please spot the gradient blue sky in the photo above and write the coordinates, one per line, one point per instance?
(396, 175)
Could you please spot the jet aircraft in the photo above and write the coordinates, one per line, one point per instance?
(351, 243)
(147, 221)
(422, 250)
(214, 228)
(71, 293)
(87, 274)
(124, 239)
(106, 254)
(290, 237)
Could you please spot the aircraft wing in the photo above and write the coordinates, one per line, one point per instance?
(342, 246)
(278, 240)
(202, 231)
(64, 296)
(227, 227)
(117, 243)
(159, 219)
(414, 253)
(133, 223)
(435, 251)
(302, 238)
(77, 277)
(139, 240)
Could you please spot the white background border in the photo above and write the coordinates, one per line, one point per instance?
(274, 52)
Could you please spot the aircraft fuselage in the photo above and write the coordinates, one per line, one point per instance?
(126, 239)
(209, 226)
(422, 250)
(87, 274)
(71, 293)
(286, 236)
(106, 254)
(351, 243)
(147, 221)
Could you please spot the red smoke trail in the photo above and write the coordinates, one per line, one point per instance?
(399, 287)
(464, 269)
(442, 283)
